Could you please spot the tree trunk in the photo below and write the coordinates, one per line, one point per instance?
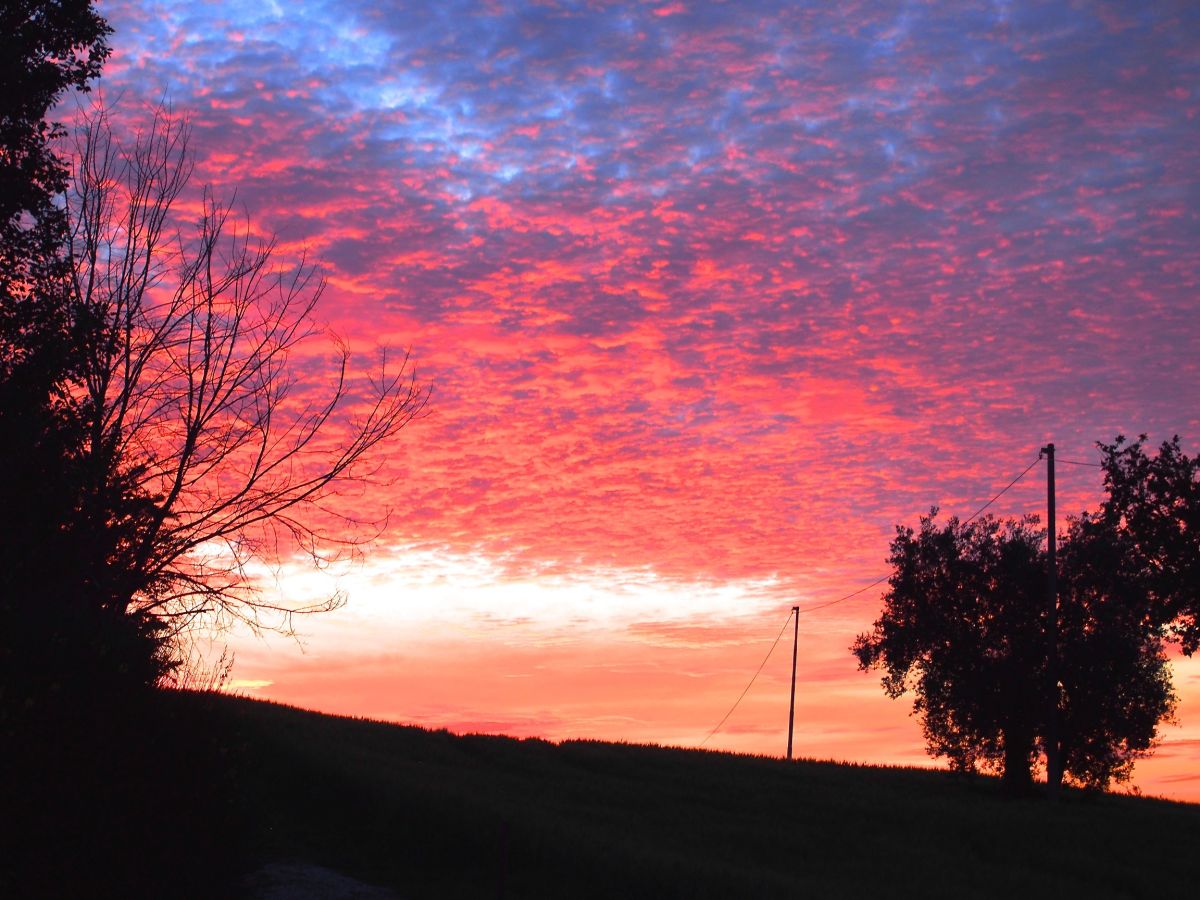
(1018, 773)
(1054, 769)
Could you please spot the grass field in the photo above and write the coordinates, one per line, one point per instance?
(437, 815)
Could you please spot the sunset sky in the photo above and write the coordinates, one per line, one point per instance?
(711, 297)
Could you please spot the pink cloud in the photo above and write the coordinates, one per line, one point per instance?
(725, 293)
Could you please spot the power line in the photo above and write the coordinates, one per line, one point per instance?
(1075, 462)
(752, 678)
(882, 579)
(1004, 491)
(797, 611)
(877, 581)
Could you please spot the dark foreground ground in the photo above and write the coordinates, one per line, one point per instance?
(433, 815)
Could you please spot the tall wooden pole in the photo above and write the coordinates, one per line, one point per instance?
(1053, 749)
(792, 704)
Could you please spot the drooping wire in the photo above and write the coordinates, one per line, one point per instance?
(746, 690)
(1004, 490)
(883, 578)
(1075, 462)
(852, 594)
(861, 590)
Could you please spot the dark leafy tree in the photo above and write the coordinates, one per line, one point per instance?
(154, 429)
(72, 673)
(962, 628)
(46, 49)
(154, 436)
(1129, 585)
(1115, 681)
(964, 625)
(1152, 509)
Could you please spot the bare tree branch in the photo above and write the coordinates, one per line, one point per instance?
(191, 382)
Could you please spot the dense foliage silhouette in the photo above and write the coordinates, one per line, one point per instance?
(80, 804)
(46, 49)
(137, 435)
(157, 436)
(965, 621)
(67, 515)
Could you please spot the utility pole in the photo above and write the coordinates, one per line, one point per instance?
(1053, 750)
(792, 704)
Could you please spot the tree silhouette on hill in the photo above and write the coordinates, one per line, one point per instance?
(155, 436)
(158, 431)
(49, 628)
(965, 621)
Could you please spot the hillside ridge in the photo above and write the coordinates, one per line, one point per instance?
(433, 814)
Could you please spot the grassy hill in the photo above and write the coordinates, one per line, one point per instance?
(436, 815)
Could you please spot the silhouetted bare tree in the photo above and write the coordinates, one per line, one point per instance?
(193, 389)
